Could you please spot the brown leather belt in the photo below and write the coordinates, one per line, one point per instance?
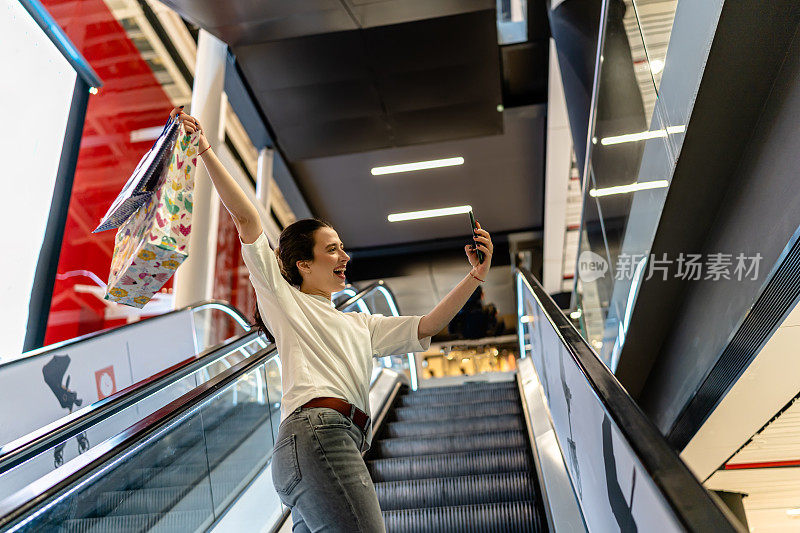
(349, 410)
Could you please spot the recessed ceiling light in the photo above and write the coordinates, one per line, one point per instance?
(430, 213)
(622, 189)
(641, 136)
(421, 165)
(656, 66)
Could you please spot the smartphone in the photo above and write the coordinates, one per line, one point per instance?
(474, 227)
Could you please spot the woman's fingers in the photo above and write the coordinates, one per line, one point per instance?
(485, 241)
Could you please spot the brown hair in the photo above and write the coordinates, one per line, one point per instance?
(296, 243)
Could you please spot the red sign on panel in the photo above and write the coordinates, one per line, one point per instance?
(106, 384)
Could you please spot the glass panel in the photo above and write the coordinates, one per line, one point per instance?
(216, 324)
(274, 392)
(164, 479)
(628, 169)
(66, 450)
(610, 481)
(512, 21)
(239, 451)
(652, 19)
(182, 477)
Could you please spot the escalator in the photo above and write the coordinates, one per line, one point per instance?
(562, 447)
(457, 455)
(170, 453)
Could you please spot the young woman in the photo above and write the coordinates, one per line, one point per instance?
(326, 357)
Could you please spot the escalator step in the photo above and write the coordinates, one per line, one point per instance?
(457, 411)
(472, 386)
(450, 443)
(462, 490)
(139, 501)
(172, 521)
(455, 464)
(459, 396)
(445, 427)
(486, 518)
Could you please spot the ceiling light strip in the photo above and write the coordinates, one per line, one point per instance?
(642, 136)
(421, 165)
(622, 189)
(429, 213)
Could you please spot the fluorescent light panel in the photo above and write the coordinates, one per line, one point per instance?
(622, 189)
(430, 213)
(422, 165)
(641, 136)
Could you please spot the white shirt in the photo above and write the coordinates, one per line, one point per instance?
(324, 352)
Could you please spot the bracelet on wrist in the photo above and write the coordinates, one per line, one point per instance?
(476, 277)
(204, 150)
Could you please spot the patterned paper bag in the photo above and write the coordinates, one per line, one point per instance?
(154, 241)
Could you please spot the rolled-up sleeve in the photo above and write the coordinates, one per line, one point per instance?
(393, 335)
(263, 265)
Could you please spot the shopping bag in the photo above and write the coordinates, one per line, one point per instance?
(148, 176)
(154, 241)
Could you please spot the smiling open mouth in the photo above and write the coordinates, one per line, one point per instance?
(339, 272)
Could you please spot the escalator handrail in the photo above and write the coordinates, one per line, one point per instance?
(22, 449)
(692, 504)
(71, 343)
(26, 500)
(360, 294)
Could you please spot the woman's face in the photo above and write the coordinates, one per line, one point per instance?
(325, 273)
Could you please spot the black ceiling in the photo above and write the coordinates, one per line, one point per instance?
(345, 84)
(380, 87)
(501, 178)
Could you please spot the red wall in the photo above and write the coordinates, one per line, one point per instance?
(130, 99)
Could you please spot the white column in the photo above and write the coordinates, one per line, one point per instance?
(559, 153)
(195, 278)
(266, 156)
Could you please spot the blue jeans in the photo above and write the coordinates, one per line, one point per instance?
(318, 471)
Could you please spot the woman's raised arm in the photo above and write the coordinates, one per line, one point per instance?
(244, 214)
(443, 313)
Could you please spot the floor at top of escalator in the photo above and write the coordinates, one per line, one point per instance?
(456, 459)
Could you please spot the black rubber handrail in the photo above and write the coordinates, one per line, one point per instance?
(61, 346)
(692, 504)
(24, 448)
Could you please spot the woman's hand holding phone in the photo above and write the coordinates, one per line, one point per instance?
(483, 243)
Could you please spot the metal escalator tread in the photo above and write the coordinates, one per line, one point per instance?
(460, 490)
(520, 517)
(450, 443)
(464, 425)
(479, 395)
(447, 412)
(469, 386)
(171, 521)
(457, 459)
(452, 464)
